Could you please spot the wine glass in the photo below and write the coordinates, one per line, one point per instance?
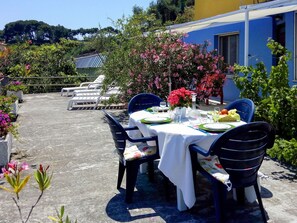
(163, 105)
(216, 113)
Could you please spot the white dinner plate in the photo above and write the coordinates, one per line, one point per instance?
(156, 119)
(162, 108)
(217, 126)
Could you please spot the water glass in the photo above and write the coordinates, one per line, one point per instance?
(216, 113)
(155, 109)
(163, 105)
(178, 115)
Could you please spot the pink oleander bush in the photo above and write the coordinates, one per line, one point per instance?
(168, 60)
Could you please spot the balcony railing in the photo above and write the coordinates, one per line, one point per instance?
(53, 83)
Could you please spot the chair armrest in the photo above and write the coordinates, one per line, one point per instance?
(131, 128)
(85, 84)
(198, 149)
(94, 85)
(144, 139)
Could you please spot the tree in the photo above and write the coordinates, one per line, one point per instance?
(160, 62)
(39, 32)
(187, 16)
(42, 62)
(21, 31)
(167, 11)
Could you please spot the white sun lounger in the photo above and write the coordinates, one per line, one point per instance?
(87, 91)
(87, 94)
(96, 84)
(92, 100)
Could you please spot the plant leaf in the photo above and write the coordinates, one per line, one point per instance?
(53, 218)
(10, 180)
(7, 189)
(23, 183)
(62, 211)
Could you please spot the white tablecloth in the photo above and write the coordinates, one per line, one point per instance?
(175, 160)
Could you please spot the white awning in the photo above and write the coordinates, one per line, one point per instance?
(232, 17)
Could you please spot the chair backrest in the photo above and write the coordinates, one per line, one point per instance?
(245, 108)
(119, 135)
(142, 101)
(241, 151)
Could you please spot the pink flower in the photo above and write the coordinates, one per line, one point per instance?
(4, 171)
(24, 166)
(156, 58)
(200, 67)
(129, 91)
(157, 82)
(179, 66)
(12, 165)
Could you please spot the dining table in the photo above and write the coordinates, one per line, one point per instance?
(174, 139)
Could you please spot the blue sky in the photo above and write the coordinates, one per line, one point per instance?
(72, 14)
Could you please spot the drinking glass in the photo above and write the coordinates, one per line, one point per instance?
(216, 113)
(178, 115)
(163, 105)
(155, 109)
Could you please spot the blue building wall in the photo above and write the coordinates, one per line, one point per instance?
(259, 32)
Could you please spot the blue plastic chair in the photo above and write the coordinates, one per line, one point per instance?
(143, 101)
(120, 137)
(240, 152)
(245, 108)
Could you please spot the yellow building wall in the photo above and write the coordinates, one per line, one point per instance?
(208, 8)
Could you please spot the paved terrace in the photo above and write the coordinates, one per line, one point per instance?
(79, 149)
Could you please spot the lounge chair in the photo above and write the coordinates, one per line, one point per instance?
(87, 91)
(89, 99)
(96, 84)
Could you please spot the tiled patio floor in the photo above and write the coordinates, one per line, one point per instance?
(79, 149)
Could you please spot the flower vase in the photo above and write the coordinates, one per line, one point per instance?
(5, 149)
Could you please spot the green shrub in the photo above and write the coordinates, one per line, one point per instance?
(16, 86)
(42, 68)
(284, 150)
(275, 100)
(5, 103)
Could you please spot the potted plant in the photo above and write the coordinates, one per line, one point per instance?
(9, 105)
(16, 88)
(7, 130)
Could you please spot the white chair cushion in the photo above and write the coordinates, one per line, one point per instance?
(138, 151)
(211, 164)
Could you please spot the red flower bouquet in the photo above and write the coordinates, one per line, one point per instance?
(180, 98)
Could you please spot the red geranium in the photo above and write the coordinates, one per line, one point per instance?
(180, 98)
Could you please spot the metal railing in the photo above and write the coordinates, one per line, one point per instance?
(53, 83)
